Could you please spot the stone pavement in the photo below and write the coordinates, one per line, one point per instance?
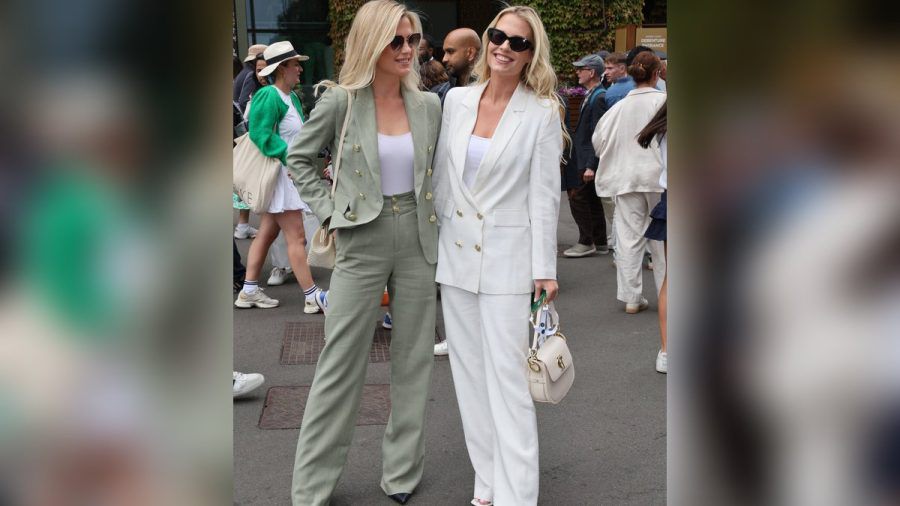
(605, 444)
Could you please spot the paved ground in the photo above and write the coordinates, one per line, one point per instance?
(604, 445)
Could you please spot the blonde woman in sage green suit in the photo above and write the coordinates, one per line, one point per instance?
(386, 234)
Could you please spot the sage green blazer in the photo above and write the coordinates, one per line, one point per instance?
(358, 199)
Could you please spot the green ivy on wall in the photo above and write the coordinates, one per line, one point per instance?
(580, 27)
(340, 14)
(575, 27)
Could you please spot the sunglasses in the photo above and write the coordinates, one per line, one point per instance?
(413, 40)
(516, 43)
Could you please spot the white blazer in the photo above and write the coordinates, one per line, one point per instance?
(500, 235)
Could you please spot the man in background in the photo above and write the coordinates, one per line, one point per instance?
(461, 48)
(587, 209)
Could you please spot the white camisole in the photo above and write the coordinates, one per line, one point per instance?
(395, 154)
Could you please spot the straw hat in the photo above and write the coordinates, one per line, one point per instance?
(254, 50)
(277, 53)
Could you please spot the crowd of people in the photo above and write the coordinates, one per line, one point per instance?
(426, 193)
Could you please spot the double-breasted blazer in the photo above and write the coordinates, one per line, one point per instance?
(499, 235)
(358, 199)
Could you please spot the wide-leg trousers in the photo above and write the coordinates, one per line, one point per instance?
(632, 217)
(487, 337)
(383, 252)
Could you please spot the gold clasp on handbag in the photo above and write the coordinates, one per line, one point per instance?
(560, 362)
(533, 363)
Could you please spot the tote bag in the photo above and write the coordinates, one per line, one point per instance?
(255, 174)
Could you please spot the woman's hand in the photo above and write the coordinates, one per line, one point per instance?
(548, 285)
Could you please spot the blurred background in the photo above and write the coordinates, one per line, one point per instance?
(785, 280)
(785, 274)
(116, 327)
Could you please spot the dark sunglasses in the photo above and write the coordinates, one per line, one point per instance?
(413, 41)
(516, 43)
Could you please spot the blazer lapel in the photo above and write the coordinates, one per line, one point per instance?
(367, 131)
(460, 146)
(506, 128)
(417, 117)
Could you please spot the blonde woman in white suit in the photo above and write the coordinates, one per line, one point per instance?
(497, 190)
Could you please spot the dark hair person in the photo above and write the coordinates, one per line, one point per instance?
(656, 130)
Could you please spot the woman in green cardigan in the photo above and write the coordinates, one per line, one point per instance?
(275, 119)
(385, 234)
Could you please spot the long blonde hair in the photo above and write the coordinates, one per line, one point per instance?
(538, 75)
(373, 28)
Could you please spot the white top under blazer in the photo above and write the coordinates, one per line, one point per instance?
(499, 235)
(395, 154)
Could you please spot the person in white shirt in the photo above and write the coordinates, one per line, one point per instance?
(630, 174)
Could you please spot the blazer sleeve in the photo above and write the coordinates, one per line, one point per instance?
(302, 159)
(266, 113)
(597, 109)
(543, 195)
(441, 179)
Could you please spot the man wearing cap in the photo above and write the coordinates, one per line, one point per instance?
(587, 210)
(249, 68)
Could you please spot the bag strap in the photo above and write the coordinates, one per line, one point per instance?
(545, 321)
(337, 162)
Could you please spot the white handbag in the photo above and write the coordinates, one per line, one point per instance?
(254, 174)
(550, 369)
(321, 249)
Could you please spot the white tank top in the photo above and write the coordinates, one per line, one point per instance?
(478, 146)
(395, 153)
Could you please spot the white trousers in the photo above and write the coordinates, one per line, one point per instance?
(609, 208)
(632, 217)
(487, 336)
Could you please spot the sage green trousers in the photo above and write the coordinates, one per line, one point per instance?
(384, 252)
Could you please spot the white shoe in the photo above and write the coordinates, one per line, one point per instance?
(662, 362)
(279, 275)
(440, 349)
(387, 322)
(580, 250)
(632, 308)
(257, 298)
(317, 304)
(245, 233)
(242, 384)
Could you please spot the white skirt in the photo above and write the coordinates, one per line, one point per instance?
(285, 196)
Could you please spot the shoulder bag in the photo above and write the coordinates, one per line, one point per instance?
(254, 174)
(321, 249)
(550, 369)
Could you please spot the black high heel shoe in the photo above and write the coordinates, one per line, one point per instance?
(401, 497)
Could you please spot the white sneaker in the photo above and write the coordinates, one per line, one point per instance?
(257, 298)
(279, 275)
(632, 308)
(662, 362)
(317, 304)
(242, 384)
(440, 349)
(245, 233)
(580, 250)
(387, 322)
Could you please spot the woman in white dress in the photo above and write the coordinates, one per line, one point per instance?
(277, 107)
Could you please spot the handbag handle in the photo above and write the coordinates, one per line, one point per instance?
(545, 321)
(337, 163)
